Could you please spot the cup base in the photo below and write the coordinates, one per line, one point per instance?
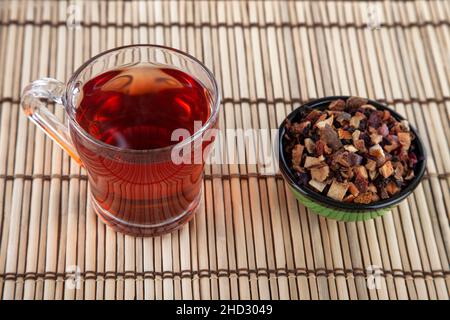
(145, 230)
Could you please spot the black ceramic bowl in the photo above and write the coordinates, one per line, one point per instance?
(338, 210)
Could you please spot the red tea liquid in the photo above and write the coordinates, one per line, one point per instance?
(138, 108)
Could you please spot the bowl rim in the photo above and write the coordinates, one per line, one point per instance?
(386, 203)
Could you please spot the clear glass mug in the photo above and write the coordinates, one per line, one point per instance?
(137, 192)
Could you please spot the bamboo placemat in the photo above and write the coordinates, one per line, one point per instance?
(250, 238)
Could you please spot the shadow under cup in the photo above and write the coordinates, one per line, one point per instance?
(137, 192)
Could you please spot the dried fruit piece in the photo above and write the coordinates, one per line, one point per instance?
(338, 105)
(392, 188)
(313, 115)
(344, 134)
(393, 140)
(349, 198)
(337, 190)
(371, 165)
(410, 175)
(375, 197)
(313, 161)
(375, 119)
(383, 193)
(310, 145)
(376, 138)
(353, 189)
(343, 117)
(373, 175)
(361, 183)
(326, 122)
(330, 137)
(405, 140)
(356, 119)
(322, 148)
(399, 171)
(302, 178)
(350, 148)
(360, 145)
(355, 102)
(346, 173)
(383, 130)
(297, 153)
(387, 169)
(377, 151)
(372, 188)
(300, 127)
(317, 185)
(320, 174)
(347, 159)
(404, 125)
(361, 170)
(368, 106)
(364, 198)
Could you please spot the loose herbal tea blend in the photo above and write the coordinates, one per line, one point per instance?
(351, 151)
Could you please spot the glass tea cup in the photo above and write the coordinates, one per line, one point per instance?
(134, 191)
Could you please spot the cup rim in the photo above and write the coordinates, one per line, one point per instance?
(322, 199)
(208, 124)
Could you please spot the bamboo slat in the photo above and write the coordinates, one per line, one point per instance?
(250, 238)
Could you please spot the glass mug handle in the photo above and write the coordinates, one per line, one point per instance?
(35, 108)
